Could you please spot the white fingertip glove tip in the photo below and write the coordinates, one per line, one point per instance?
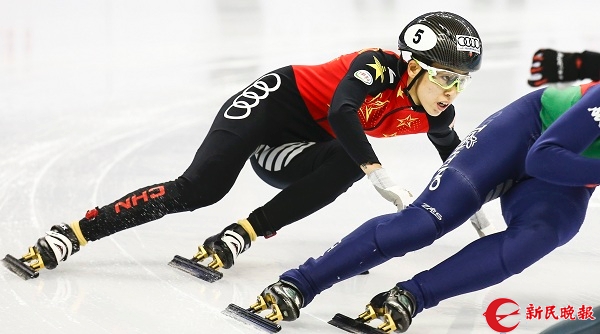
(404, 197)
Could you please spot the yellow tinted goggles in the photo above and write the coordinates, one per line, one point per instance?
(445, 78)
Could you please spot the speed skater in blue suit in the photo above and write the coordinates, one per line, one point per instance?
(540, 155)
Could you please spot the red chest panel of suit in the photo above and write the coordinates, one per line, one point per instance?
(379, 121)
(387, 114)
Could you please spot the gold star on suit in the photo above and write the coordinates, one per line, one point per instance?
(400, 92)
(379, 69)
(407, 121)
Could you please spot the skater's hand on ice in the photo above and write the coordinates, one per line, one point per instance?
(388, 189)
(549, 66)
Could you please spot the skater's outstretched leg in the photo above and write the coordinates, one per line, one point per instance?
(210, 177)
(63, 240)
(306, 181)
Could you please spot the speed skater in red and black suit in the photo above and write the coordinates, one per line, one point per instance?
(304, 130)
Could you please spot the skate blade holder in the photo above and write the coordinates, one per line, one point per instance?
(19, 267)
(195, 269)
(250, 317)
(359, 324)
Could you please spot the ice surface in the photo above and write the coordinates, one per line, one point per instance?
(100, 98)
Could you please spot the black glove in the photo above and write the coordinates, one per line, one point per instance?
(548, 66)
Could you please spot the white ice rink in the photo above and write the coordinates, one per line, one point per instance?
(99, 98)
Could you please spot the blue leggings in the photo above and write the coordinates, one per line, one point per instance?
(488, 164)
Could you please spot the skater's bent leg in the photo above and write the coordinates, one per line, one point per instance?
(312, 180)
(538, 223)
(216, 166)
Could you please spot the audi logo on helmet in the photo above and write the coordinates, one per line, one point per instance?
(468, 43)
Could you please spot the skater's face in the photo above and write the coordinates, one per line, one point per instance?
(436, 88)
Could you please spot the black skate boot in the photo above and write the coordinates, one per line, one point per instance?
(58, 245)
(225, 246)
(224, 249)
(283, 298)
(395, 308)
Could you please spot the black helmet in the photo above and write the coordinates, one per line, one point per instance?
(444, 38)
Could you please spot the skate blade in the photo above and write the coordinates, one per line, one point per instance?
(352, 325)
(195, 269)
(250, 318)
(21, 269)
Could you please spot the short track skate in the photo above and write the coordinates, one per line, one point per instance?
(251, 317)
(360, 324)
(26, 267)
(193, 267)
